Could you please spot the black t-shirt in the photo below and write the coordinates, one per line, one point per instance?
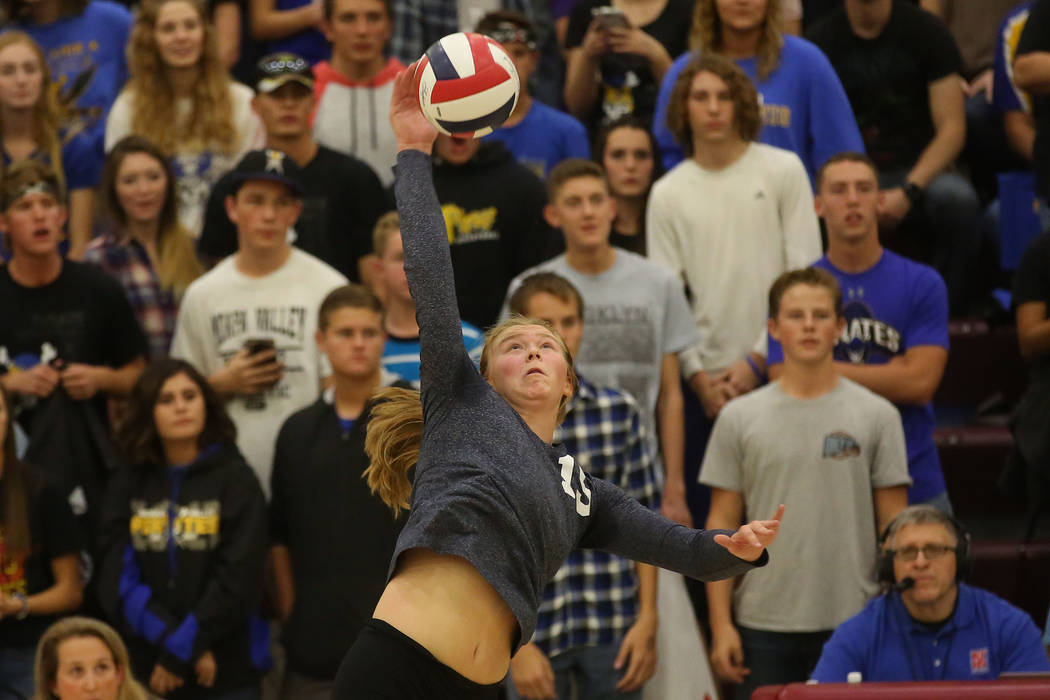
(343, 200)
(628, 85)
(52, 534)
(83, 316)
(1032, 284)
(887, 78)
(1036, 37)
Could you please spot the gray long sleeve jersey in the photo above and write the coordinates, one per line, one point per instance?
(487, 488)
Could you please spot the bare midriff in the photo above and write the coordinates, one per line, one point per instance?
(444, 604)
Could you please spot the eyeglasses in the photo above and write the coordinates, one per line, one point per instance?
(929, 552)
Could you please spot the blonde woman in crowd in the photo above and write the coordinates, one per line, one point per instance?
(30, 124)
(146, 249)
(83, 658)
(181, 98)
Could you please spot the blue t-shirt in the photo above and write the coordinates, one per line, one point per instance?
(895, 305)
(1006, 96)
(985, 636)
(804, 107)
(86, 56)
(544, 138)
(401, 355)
(81, 161)
(310, 43)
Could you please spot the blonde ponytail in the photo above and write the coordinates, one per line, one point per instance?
(395, 429)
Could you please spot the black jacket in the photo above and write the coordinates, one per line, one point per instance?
(185, 549)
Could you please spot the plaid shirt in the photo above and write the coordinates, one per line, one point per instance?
(419, 23)
(593, 599)
(154, 307)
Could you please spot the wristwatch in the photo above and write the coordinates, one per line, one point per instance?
(24, 612)
(912, 191)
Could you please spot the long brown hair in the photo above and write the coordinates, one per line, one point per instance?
(747, 118)
(177, 263)
(210, 123)
(47, 116)
(395, 427)
(14, 491)
(45, 669)
(706, 34)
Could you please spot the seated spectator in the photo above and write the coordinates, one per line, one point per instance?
(1031, 72)
(181, 99)
(401, 350)
(1027, 470)
(930, 625)
(39, 557)
(31, 125)
(146, 249)
(290, 26)
(68, 338)
(539, 136)
(751, 203)
(493, 209)
(248, 324)
(188, 505)
(352, 91)
(630, 45)
(78, 657)
(803, 106)
(597, 622)
(895, 341)
(901, 70)
(832, 449)
(1013, 103)
(625, 148)
(331, 539)
(636, 314)
(342, 197)
(85, 42)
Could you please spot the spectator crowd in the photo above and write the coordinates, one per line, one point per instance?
(750, 221)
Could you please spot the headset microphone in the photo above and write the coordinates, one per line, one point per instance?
(904, 584)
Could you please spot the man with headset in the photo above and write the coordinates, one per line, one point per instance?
(929, 626)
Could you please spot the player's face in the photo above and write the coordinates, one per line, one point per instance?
(848, 201)
(141, 185)
(34, 223)
(564, 317)
(86, 671)
(21, 77)
(711, 113)
(179, 34)
(353, 342)
(741, 15)
(528, 368)
(456, 150)
(263, 211)
(934, 577)
(179, 412)
(358, 29)
(628, 162)
(392, 269)
(285, 112)
(584, 211)
(806, 325)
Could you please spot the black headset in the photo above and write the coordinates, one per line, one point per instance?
(963, 561)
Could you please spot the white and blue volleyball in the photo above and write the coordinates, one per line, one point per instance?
(467, 85)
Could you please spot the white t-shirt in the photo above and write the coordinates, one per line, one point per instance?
(731, 233)
(196, 171)
(224, 307)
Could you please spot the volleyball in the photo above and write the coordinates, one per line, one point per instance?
(467, 84)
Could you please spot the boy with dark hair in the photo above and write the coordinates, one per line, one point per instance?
(352, 91)
(597, 623)
(401, 351)
(331, 539)
(539, 136)
(814, 439)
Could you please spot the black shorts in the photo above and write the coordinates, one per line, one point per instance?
(386, 664)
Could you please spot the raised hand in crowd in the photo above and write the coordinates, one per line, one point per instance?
(162, 681)
(206, 668)
(248, 373)
(39, 381)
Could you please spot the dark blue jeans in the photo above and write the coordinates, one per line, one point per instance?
(778, 657)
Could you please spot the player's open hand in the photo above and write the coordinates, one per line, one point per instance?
(750, 540)
(411, 128)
